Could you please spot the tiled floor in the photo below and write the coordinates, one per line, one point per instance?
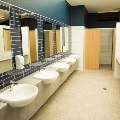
(85, 95)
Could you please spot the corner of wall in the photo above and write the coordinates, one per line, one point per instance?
(117, 52)
(78, 43)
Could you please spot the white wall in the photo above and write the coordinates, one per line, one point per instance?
(25, 40)
(117, 52)
(78, 42)
(75, 37)
(106, 36)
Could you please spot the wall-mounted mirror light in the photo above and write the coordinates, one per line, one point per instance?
(47, 39)
(5, 42)
(29, 38)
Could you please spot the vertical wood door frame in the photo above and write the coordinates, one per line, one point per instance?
(92, 49)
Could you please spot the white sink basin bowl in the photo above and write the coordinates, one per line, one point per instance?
(62, 67)
(21, 95)
(47, 76)
(75, 56)
(70, 61)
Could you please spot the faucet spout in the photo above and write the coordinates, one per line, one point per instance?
(12, 83)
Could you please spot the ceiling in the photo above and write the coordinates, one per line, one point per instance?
(94, 6)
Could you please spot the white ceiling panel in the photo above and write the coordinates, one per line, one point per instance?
(97, 6)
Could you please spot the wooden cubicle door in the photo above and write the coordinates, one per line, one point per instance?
(48, 43)
(113, 48)
(7, 40)
(33, 50)
(51, 42)
(92, 49)
(58, 40)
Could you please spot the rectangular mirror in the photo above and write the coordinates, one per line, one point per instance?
(47, 39)
(64, 39)
(29, 39)
(5, 42)
(66, 29)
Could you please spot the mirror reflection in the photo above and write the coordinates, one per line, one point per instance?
(47, 39)
(29, 39)
(5, 42)
(64, 39)
(58, 42)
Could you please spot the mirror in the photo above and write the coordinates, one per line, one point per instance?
(64, 39)
(47, 39)
(29, 39)
(66, 29)
(5, 42)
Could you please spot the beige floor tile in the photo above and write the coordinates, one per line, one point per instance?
(85, 95)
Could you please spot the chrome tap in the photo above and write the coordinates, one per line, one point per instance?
(12, 83)
(42, 68)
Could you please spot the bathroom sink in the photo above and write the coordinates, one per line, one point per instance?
(62, 67)
(47, 76)
(70, 61)
(21, 95)
(75, 56)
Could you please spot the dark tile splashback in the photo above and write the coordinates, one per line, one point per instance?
(15, 28)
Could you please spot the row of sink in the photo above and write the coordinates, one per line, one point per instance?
(23, 94)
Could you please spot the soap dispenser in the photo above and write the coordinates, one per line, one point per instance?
(64, 48)
(19, 62)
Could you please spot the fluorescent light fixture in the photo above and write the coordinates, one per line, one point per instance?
(108, 11)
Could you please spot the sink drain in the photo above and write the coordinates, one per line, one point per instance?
(104, 88)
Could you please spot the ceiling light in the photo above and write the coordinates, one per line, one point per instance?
(1, 17)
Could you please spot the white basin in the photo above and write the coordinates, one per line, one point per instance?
(75, 56)
(70, 61)
(62, 67)
(21, 95)
(47, 76)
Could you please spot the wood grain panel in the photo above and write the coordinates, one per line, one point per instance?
(113, 48)
(33, 51)
(58, 40)
(46, 44)
(51, 42)
(7, 40)
(92, 49)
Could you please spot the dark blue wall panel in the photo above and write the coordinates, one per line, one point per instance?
(92, 22)
(78, 15)
(55, 9)
(85, 17)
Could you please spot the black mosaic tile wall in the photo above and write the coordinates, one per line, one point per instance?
(16, 40)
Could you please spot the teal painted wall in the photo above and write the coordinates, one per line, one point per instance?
(56, 9)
